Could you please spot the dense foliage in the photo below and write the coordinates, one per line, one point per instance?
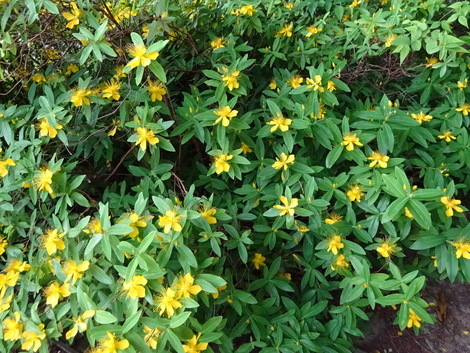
(228, 176)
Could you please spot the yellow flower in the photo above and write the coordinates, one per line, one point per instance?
(170, 221)
(349, 140)
(119, 72)
(135, 287)
(355, 193)
(245, 148)
(43, 180)
(111, 89)
(219, 289)
(5, 302)
(355, 3)
(80, 97)
(71, 69)
(333, 218)
(340, 262)
(330, 86)
(151, 336)
(18, 266)
(231, 80)
(413, 319)
(408, 213)
(12, 328)
(33, 339)
(447, 136)
(451, 205)
(284, 162)
(39, 78)
(72, 16)
(141, 57)
(79, 324)
(114, 127)
(258, 261)
(390, 39)
(185, 287)
(145, 30)
(312, 30)
(45, 129)
(208, 214)
(55, 292)
(192, 345)
(462, 84)
(221, 163)
(111, 343)
(285, 31)
(279, 122)
(273, 84)
(289, 5)
(218, 43)
(462, 249)
(137, 222)
(156, 90)
(315, 83)
(3, 166)
(288, 208)
(431, 62)
(386, 249)
(166, 302)
(3, 244)
(295, 81)
(379, 159)
(51, 241)
(74, 271)
(421, 117)
(465, 109)
(94, 226)
(225, 115)
(145, 135)
(248, 10)
(334, 244)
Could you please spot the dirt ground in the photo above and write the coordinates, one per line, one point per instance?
(450, 334)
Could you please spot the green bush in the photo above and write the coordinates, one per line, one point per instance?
(228, 176)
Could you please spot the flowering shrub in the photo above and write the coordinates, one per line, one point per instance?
(228, 176)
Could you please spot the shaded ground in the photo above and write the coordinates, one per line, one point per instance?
(450, 333)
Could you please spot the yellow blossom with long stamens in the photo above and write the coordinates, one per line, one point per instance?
(421, 117)
(55, 292)
(46, 129)
(51, 241)
(111, 89)
(3, 166)
(218, 43)
(464, 109)
(289, 206)
(33, 339)
(80, 324)
(156, 90)
(225, 115)
(349, 140)
(208, 214)
(451, 205)
(111, 344)
(151, 336)
(12, 328)
(334, 244)
(166, 302)
(447, 136)
(355, 193)
(378, 159)
(185, 287)
(333, 218)
(72, 16)
(141, 56)
(386, 249)
(43, 180)
(315, 83)
(145, 136)
(80, 97)
(340, 262)
(230, 80)
(134, 288)
(170, 221)
(284, 162)
(462, 249)
(285, 31)
(221, 163)
(258, 261)
(193, 346)
(74, 271)
(312, 30)
(279, 122)
(295, 81)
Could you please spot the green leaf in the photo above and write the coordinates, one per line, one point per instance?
(179, 319)
(333, 155)
(420, 213)
(104, 317)
(395, 208)
(131, 321)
